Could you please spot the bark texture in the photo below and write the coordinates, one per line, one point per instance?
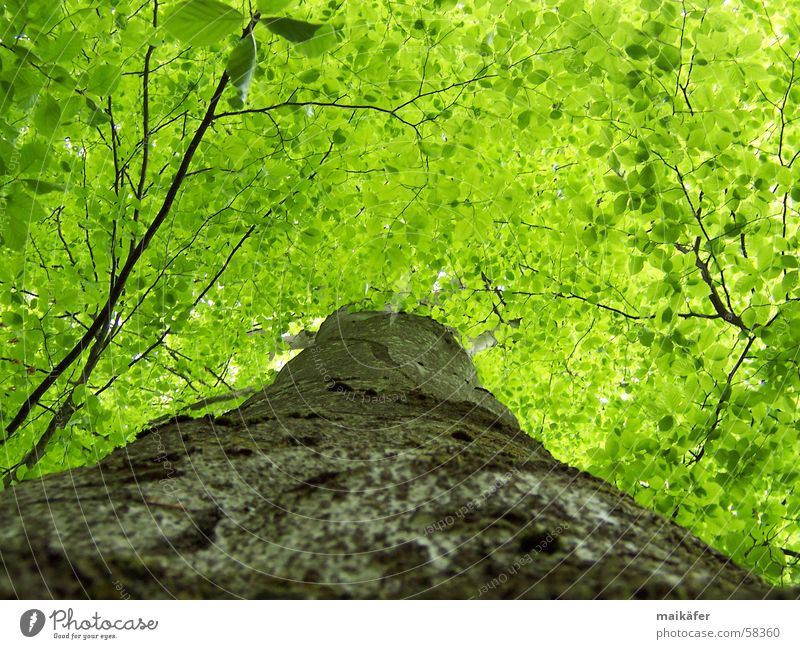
(374, 466)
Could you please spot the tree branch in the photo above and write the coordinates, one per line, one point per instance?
(723, 399)
(723, 312)
(104, 317)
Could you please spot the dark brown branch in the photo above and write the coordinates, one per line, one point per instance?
(724, 312)
(103, 318)
(791, 553)
(569, 296)
(145, 119)
(321, 104)
(63, 414)
(61, 234)
(630, 316)
(114, 145)
(168, 330)
(723, 399)
(393, 112)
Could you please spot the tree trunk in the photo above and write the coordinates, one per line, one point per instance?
(374, 466)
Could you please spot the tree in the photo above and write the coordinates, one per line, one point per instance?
(374, 466)
(603, 198)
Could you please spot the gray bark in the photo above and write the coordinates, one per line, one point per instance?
(374, 466)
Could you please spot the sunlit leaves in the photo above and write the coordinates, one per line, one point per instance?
(269, 7)
(202, 22)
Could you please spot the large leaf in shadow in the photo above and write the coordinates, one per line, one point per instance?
(240, 68)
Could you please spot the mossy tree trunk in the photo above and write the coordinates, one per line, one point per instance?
(374, 466)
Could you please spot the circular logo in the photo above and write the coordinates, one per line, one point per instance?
(31, 622)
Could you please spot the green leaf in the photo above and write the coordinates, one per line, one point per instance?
(103, 79)
(20, 210)
(325, 39)
(97, 115)
(597, 150)
(596, 54)
(620, 203)
(538, 76)
(717, 352)
(202, 22)
(47, 116)
(635, 51)
(646, 337)
(92, 403)
(296, 31)
(63, 48)
(612, 447)
(589, 236)
(789, 261)
(13, 319)
(789, 281)
(647, 177)
(241, 66)
(615, 183)
(669, 58)
(309, 76)
(42, 186)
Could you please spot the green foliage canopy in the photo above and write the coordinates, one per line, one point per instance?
(609, 188)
